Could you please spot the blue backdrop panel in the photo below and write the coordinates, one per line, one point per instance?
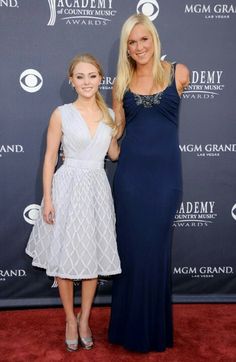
(38, 38)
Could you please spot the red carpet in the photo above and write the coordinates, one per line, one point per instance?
(203, 332)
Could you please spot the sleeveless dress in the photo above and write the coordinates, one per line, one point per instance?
(147, 193)
(81, 244)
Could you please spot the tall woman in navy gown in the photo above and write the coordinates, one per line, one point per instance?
(147, 187)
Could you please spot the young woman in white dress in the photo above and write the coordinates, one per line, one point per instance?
(74, 236)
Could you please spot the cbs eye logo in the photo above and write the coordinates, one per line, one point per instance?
(149, 8)
(30, 213)
(233, 212)
(31, 80)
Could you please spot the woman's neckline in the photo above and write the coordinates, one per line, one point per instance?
(156, 93)
(148, 95)
(92, 135)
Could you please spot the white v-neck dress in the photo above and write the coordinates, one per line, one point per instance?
(81, 244)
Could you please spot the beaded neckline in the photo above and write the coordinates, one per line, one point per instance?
(147, 100)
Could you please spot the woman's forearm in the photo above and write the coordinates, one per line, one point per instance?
(114, 149)
(48, 171)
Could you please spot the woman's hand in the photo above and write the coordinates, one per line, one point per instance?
(48, 212)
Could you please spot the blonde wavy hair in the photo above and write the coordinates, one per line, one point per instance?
(88, 58)
(126, 65)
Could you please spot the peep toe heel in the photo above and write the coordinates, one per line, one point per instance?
(71, 344)
(85, 342)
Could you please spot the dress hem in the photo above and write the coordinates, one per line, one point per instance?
(144, 350)
(67, 276)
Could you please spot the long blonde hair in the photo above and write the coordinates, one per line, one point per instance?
(126, 65)
(88, 58)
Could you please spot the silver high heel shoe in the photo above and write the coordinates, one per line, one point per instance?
(71, 344)
(85, 342)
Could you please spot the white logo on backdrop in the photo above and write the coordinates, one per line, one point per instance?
(31, 80)
(205, 84)
(12, 273)
(53, 12)
(195, 214)
(163, 57)
(107, 83)
(9, 3)
(30, 213)
(208, 150)
(149, 8)
(11, 149)
(83, 12)
(233, 212)
(211, 11)
(203, 271)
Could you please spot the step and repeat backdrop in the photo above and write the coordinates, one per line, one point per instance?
(38, 39)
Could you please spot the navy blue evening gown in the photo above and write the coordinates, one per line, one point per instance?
(147, 192)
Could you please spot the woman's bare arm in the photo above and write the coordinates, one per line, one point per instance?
(119, 113)
(53, 141)
(182, 77)
(114, 149)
